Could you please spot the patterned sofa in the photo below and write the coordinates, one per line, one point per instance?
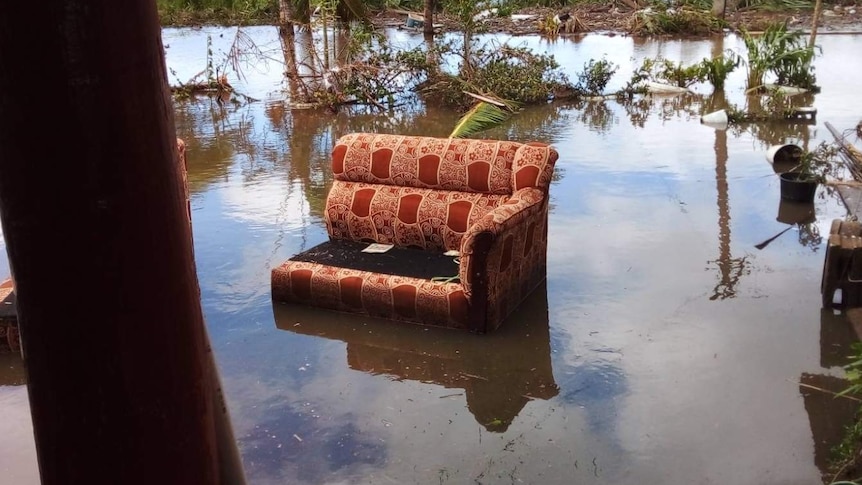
(487, 200)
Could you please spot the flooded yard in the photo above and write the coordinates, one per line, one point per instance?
(664, 348)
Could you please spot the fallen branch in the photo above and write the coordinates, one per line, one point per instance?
(826, 391)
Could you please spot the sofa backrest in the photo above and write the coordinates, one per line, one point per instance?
(426, 192)
(424, 162)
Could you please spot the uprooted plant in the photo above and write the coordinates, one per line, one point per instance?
(661, 20)
(667, 72)
(502, 71)
(782, 53)
(212, 80)
(595, 77)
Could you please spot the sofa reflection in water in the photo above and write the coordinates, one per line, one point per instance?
(499, 372)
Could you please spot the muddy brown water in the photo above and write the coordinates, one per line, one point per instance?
(664, 347)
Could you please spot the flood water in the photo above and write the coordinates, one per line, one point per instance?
(664, 347)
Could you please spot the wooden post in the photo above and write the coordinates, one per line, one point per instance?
(815, 19)
(428, 15)
(121, 381)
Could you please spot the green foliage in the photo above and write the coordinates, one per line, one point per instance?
(668, 72)
(679, 75)
(231, 12)
(853, 371)
(378, 72)
(414, 5)
(702, 5)
(595, 77)
(819, 165)
(717, 69)
(846, 455)
(666, 21)
(516, 73)
(776, 5)
(782, 53)
(464, 11)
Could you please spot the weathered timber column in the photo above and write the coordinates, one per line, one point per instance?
(121, 383)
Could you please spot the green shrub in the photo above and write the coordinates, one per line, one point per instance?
(595, 77)
(717, 69)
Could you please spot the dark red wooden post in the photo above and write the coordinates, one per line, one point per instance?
(121, 382)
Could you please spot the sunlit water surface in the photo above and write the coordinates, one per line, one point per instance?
(663, 349)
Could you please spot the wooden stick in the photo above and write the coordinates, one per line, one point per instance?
(818, 6)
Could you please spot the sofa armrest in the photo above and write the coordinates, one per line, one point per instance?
(502, 253)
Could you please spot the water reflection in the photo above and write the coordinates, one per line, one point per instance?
(638, 110)
(640, 354)
(829, 416)
(499, 373)
(596, 115)
(290, 444)
(803, 216)
(730, 269)
(836, 338)
(12, 371)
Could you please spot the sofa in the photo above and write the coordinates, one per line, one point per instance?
(466, 219)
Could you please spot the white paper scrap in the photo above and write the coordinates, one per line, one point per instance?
(452, 252)
(377, 248)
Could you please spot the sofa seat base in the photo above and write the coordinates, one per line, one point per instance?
(396, 284)
(415, 263)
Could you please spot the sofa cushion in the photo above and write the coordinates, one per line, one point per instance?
(423, 162)
(404, 216)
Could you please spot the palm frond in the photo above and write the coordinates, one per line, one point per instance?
(481, 117)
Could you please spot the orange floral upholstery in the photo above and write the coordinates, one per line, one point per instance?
(424, 162)
(387, 296)
(484, 198)
(404, 216)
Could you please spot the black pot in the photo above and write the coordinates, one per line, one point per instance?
(797, 190)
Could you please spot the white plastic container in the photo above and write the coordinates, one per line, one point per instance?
(716, 119)
(784, 154)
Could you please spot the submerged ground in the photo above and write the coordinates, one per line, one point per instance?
(663, 349)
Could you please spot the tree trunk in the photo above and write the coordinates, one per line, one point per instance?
(121, 380)
(429, 17)
(287, 35)
(818, 6)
